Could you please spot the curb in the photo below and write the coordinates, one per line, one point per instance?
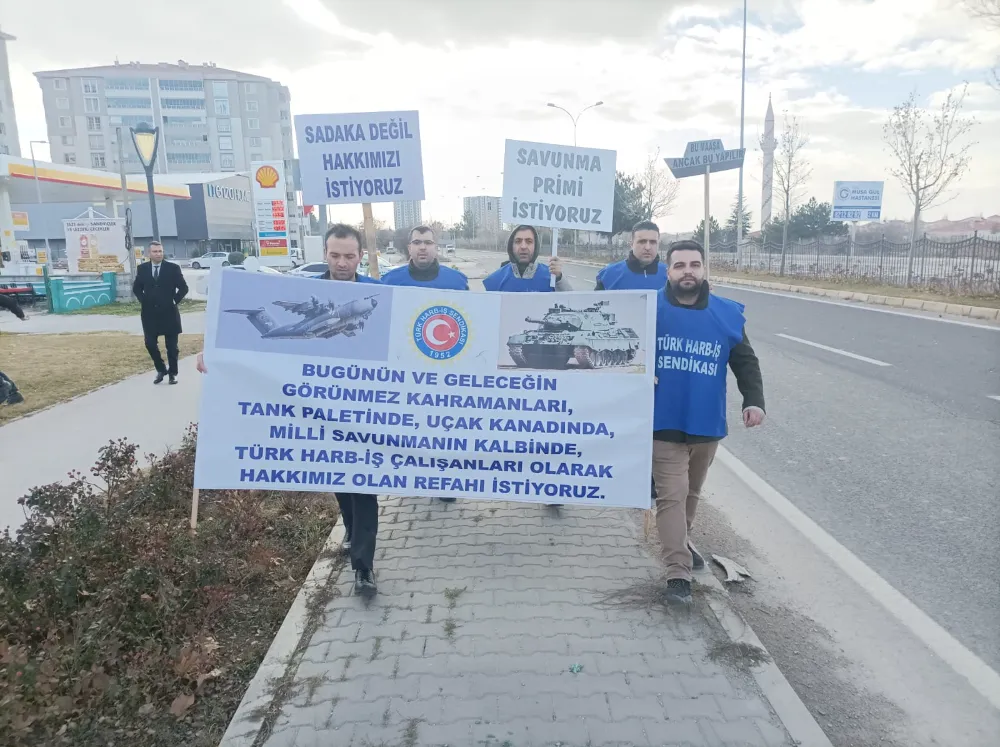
(915, 304)
(792, 712)
(245, 725)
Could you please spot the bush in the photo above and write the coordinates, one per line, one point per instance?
(118, 622)
(235, 258)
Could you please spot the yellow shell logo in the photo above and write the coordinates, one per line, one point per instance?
(267, 177)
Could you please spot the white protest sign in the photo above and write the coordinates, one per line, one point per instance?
(559, 186)
(327, 386)
(365, 157)
(95, 245)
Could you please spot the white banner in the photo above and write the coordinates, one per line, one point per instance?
(327, 386)
(364, 157)
(270, 205)
(559, 186)
(95, 245)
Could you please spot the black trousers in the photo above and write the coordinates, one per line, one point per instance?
(360, 514)
(154, 352)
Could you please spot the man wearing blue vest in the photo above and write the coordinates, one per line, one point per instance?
(697, 335)
(522, 272)
(424, 270)
(642, 269)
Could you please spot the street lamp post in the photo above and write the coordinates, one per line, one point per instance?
(146, 139)
(577, 117)
(743, 90)
(38, 195)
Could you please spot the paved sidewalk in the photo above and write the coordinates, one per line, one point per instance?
(484, 612)
(40, 323)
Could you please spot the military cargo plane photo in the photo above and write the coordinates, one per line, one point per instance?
(321, 319)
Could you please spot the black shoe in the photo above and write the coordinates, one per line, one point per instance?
(678, 591)
(697, 561)
(364, 583)
(159, 377)
(450, 499)
(15, 398)
(173, 379)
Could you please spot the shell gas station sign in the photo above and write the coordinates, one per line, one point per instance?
(270, 212)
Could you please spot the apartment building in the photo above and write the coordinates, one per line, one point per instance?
(9, 145)
(407, 214)
(485, 213)
(211, 119)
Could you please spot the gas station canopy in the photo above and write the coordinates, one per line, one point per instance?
(60, 183)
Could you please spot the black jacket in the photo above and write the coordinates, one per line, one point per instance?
(11, 305)
(159, 298)
(742, 361)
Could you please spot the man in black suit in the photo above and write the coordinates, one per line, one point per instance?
(159, 286)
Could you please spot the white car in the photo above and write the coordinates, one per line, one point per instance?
(262, 268)
(210, 260)
(383, 266)
(449, 249)
(309, 269)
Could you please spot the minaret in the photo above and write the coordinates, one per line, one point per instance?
(767, 144)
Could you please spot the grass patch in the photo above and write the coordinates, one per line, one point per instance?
(740, 655)
(132, 308)
(452, 596)
(119, 625)
(49, 369)
(859, 285)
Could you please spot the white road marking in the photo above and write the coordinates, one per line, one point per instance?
(861, 307)
(838, 351)
(984, 679)
(994, 396)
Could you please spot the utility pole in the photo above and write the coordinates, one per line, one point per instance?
(743, 91)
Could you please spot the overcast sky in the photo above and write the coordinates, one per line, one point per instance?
(480, 71)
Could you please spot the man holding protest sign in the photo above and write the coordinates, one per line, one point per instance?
(359, 511)
(424, 269)
(697, 335)
(522, 272)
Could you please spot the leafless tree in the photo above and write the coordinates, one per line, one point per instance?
(791, 172)
(987, 11)
(929, 153)
(658, 190)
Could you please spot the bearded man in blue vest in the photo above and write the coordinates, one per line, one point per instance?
(697, 335)
(424, 270)
(522, 272)
(642, 269)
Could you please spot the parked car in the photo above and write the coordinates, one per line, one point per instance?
(384, 266)
(262, 268)
(449, 249)
(210, 260)
(309, 269)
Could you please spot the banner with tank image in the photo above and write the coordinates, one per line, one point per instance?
(588, 332)
(305, 316)
(311, 386)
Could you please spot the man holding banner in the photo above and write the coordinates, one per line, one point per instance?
(697, 335)
(424, 269)
(522, 272)
(642, 269)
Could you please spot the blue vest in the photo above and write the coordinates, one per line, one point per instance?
(618, 276)
(359, 278)
(692, 354)
(447, 279)
(505, 279)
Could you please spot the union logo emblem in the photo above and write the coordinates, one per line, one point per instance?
(267, 177)
(440, 332)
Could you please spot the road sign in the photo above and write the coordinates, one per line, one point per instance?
(853, 201)
(702, 154)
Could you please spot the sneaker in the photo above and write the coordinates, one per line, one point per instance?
(678, 591)
(449, 499)
(364, 583)
(159, 378)
(15, 398)
(697, 561)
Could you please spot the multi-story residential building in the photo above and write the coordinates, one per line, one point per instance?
(407, 214)
(9, 145)
(485, 213)
(210, 119)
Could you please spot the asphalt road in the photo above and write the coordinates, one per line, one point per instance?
(900, 462)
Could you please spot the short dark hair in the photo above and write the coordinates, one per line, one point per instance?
(645, 225)
(685, 245)
(154, 242)
(420, 229)
(342, 231)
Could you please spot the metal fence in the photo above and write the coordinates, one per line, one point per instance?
(970, 266)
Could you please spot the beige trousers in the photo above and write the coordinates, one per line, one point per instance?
(679, 472)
